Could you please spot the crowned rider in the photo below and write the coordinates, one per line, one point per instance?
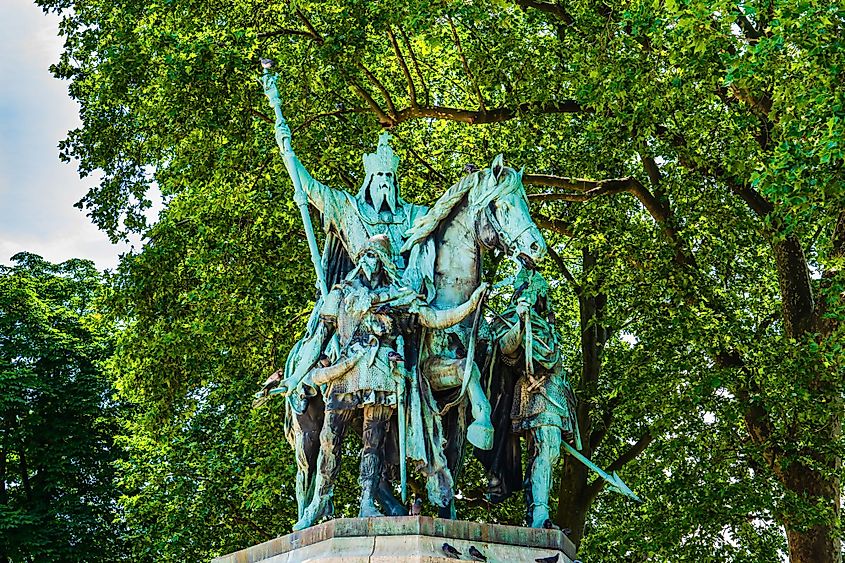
(368, 375)
(349, 221)
(376, 209)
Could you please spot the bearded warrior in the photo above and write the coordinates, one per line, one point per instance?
(368, 376)
(377, 209)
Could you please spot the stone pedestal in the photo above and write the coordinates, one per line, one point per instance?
(406, 539)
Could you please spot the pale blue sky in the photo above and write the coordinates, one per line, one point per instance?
(37, 191)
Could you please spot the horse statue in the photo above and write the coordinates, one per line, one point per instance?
(487, 210)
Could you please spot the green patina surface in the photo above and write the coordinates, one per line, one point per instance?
(398, 335)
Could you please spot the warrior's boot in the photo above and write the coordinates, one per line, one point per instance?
(328, 463)
(387, 501)
(369, 481)
(547, 450)
(538, 509)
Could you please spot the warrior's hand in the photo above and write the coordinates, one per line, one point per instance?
(333, 349)
(476, 295)
(282, 134)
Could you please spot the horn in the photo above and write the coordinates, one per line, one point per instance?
(521, 172)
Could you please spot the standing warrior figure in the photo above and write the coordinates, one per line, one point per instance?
(368, 375)
(543, 404)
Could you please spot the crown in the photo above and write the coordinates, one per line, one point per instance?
(383, 160)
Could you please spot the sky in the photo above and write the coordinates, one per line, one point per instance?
(37, 190)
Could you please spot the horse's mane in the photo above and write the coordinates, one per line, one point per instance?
(480, 190)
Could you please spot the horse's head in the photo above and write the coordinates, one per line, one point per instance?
(502, 218)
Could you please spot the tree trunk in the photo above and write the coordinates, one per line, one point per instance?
(574, 493)
(572, 506)
(818, 543)
(810, 541)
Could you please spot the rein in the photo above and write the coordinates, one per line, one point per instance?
(470, 359)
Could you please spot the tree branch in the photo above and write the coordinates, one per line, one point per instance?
(391, 109)
(748, 29)
(336, 113)
(549, 8)
(838, 238)
(561, 265)
(243, 521)
(633, 452)
(754, 200)
(412, 90)
(469, 73)
(260, 115)
(627, 456)
(554, 225)
(312, 31)
(276, 33)
(415, 154)
(574, 184)
(384, 119)
(554, 196)
(497, 115)
(606, 421)
(416, 64)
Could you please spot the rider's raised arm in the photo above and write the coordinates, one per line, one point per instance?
(320, 195)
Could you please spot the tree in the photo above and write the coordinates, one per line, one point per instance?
(57, 484)
(704, 256)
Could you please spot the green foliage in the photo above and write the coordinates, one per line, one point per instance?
(57, 416)
(708, 360)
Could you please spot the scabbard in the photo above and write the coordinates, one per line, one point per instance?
(402, 422)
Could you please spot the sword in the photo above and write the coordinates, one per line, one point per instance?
(613, 479)
(268, 81)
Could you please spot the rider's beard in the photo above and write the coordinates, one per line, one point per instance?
(382, 192)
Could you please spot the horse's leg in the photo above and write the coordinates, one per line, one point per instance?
(328, 466)
(454, 425)
(307, 435)
(480, 432)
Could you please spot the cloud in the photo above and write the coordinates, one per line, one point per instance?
(37, 191)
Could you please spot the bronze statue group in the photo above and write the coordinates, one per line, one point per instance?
(401, 346)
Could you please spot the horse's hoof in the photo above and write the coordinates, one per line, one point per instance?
(480, 435)
(303, 523)
(369, 512)
(319, 508)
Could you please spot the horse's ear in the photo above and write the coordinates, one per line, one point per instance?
(497, 165)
